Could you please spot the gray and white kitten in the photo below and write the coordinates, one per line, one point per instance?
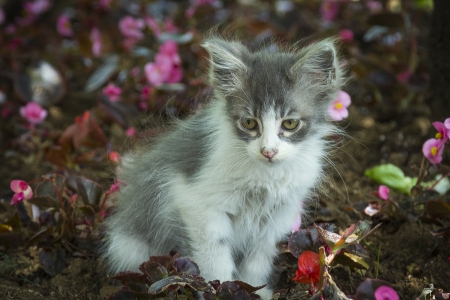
(226, 185)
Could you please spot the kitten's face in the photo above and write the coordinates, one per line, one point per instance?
(272, 135)
(268, 112)
(275, 101)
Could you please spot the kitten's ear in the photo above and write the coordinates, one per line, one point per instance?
(318, 66)
(227, 61)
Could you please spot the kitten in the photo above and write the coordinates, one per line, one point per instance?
(226, 185)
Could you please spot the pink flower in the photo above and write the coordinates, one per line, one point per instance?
(383, 192)
(131, 27)
(166, 67)
(170, 48)
(113, 92)
(33, 112)
(338, 108)
(329, 10)
(96, 39)
(22, 191)
(63, 26)
(443, 133)
(159, 71)
(346, 35)
(432, 149)
(385, 293)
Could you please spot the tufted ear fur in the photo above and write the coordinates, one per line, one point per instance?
(227, 64)
(317, 68)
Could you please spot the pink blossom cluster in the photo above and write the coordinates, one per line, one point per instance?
(167, 65)
(21, 191)
(338, 108)
(433, 148)
(131, 28)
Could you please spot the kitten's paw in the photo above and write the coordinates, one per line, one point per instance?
(265, 293)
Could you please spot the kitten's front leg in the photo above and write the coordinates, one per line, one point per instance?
(257, 267)
(210, 236)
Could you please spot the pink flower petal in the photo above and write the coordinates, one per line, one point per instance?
(132, 28)
(346, 35)
(383, 192)
(18, 186)
(96, 40)
(18, 197)
(344, 98)
(28, 193)
(63, 26)
(386, 293)
(33, 112)
(432, 149)
(113, 92)
(447, 123)
(175, 75)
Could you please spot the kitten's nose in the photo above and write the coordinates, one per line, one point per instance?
(269, 153)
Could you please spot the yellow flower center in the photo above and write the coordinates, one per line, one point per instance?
(438, 135)
(434, 151)
(338, 105)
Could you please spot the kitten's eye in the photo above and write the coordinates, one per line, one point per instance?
(290, 124)
(249, 124)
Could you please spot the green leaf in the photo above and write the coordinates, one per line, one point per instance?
(424, 4)
(103, 73)
(391, 176)
(351, 260)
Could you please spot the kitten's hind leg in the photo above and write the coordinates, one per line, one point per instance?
(126, 253)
